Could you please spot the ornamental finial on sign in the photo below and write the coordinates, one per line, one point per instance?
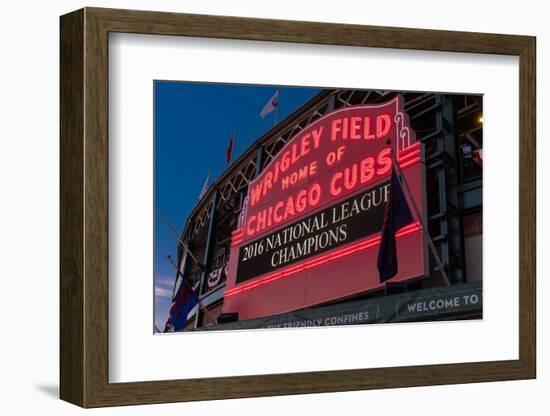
(403, 132)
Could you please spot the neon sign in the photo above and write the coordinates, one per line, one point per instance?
(319, 205)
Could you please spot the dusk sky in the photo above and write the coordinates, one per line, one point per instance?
(193, 125)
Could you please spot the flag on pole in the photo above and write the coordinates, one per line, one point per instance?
(396, 216)
(331, 104)
(204, 186)
(184, 301)
(229, 151)
(478, 156)
(271, 105)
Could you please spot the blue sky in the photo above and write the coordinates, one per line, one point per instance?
(193, 125)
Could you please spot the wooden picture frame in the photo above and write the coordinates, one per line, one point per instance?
(84, 207)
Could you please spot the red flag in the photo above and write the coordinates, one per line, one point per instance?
(478, 156)
(229, 151)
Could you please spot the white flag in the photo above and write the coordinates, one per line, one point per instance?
(205, 186)
(271, 105)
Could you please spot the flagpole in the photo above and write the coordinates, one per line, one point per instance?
(435, 254)
(184, 245)
(185, 282)
(275, 115)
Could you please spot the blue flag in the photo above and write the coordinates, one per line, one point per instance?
(396, 216)
(184, 301)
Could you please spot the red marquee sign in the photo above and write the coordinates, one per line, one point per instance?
(311, 220)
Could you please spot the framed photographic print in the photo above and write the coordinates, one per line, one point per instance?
(257, 207)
